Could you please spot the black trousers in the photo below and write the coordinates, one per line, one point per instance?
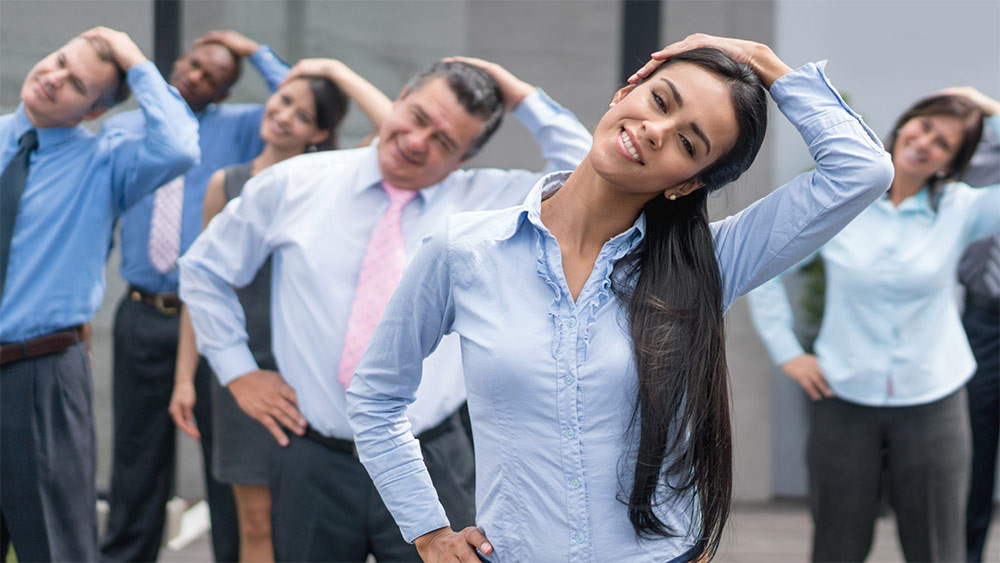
(983, 330)
(143, 463)
(924, 451)
(47, 458)
(324, 506)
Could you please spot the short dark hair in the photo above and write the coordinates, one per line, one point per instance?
(119, 91)
(237, 64)
(951, 106)
(475, 89)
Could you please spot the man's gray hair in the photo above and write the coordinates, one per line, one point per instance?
(476, 90)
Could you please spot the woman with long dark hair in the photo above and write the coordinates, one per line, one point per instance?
(303, 115)
(887, 380)
(591, 318)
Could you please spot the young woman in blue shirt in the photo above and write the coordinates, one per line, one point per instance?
(891, 357)
(591, 318)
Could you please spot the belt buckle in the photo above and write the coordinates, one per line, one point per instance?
(162, 308)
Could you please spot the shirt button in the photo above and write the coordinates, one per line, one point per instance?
(578, 537)
(568, 379)
(569, 433)
(574, 483)
(571, 322)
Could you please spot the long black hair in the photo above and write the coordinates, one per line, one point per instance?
(331, 106)
(671, 288)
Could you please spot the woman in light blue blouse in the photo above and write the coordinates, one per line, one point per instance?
(591, 318)
(891, 358)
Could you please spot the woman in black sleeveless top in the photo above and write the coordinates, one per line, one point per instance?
(302, 116)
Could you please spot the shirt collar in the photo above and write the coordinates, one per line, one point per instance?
(531, 210)
(370, 176)
(47, 136)
(919, 203)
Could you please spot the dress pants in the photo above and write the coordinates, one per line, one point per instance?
(324, 506)
(47, 458)
(983, 329)
(142, 472)
(925, 453)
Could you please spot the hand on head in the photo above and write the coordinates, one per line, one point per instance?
(126, 53)
(756, 55)
(513, 90)
(328, 68)
(986, 104)
(235, 41)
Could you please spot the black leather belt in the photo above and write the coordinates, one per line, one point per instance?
(166, 303)
(41, 345)
(347, 446)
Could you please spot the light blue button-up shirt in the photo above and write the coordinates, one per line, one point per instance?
(229, 134)
(891, 333)
(551, 382)
(315, 213)
(78, 184)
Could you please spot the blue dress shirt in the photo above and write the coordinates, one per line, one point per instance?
(78, 184)
(315, 213)
(891, 332)
(229, 134)
(551, 381)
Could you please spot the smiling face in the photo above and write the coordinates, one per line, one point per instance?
(290, 118)
(927, 145)
(660, 134)
(204, 74)
(62, 89)
(426, 136)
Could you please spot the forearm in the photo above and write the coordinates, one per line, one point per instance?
(375, 105)
(852, 170)
(271, 68)
(771, 314)
(187, 351)
(563, 140)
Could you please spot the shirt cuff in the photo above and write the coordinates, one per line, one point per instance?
(536, 110)
(784, 348)
(813, 105)
(232, 362)
(142, 73)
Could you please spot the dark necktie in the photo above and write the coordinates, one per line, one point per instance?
(12, 182)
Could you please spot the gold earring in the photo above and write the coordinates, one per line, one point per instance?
(672, 197)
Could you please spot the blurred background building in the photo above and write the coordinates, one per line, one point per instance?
(883, 54)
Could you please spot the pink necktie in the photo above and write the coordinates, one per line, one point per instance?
(165, 225)
(381, 270)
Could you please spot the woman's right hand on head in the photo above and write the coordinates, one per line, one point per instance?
(986, 104)
(314, 67)
(444, 544)
(758, 56)
(266, 397)
(805, 371)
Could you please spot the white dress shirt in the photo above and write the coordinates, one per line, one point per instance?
(315, 214)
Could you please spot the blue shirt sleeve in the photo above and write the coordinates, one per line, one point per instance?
(270, 66)
(228, 253)
(420, 312)
(168, 148)
(984, 218)
(771, 314)
(852, 170)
